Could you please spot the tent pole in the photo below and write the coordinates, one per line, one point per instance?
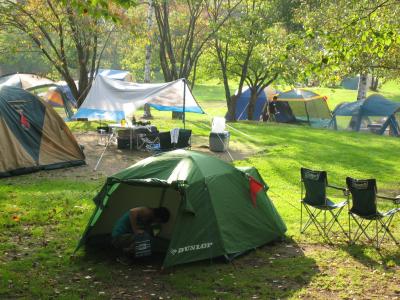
(184, 103)
(308, 117)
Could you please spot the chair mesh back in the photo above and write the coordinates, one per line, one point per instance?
(363, 193)
(315, 183)
(184, 138)
(165, 140)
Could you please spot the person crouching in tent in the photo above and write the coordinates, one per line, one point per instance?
(136, 222)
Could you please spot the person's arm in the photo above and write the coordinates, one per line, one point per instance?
(134, 214)
(144, 213)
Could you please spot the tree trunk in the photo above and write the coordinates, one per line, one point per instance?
(232, 108)
(147, 65)
(362, 87)
(252, 104)
(375, 84)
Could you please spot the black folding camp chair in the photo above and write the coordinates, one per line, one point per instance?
(184, 140)
(364, 211)
(315, 202)
(165, 141)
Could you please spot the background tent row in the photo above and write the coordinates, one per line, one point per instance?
(215, 210)
(33, 135)
(57, 94)
(303, 106)
(25, 81)
(110, 99)
(242, 103)
(376, 113)
(294, 106)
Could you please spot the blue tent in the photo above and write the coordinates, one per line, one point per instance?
(242, 103)
(350, 83)
(376, 113)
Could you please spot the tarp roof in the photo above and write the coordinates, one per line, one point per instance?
(114, 74)
(24, 81)
(374, 105)
(110, 99)
(298, 95)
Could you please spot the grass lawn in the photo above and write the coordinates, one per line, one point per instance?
(43, 217)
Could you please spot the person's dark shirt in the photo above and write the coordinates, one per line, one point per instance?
(272, 107)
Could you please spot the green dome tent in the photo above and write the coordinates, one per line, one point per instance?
(215, 211)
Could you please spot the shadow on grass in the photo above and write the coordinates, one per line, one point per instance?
(372, 258)
(277, 270)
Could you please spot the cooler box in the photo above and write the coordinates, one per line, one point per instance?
(142, 245)
(219, 142)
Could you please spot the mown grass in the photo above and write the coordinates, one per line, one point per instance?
(43, 217)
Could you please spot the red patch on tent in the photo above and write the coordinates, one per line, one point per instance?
(255, 187)
(24, 121)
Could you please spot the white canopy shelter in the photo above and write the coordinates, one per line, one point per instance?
(111, 99)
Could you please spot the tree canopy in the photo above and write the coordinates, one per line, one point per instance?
(242, 43)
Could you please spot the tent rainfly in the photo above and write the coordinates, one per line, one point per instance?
(110, 99)
(216, 209)
(376, 114)
(33, 135)
(298, 105)
(25, 81)
(242, 103)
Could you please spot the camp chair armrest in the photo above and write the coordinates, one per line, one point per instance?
(394, 199)
(344, 190)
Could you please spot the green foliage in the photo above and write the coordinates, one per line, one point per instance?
(353, 37)
(20, 55)
(102, 8)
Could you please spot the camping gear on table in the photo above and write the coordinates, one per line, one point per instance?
(33, 135)
(131, 137)
(216, 209)
(375, 114)
(219, 141)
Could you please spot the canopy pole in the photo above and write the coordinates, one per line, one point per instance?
(184, 103)
(308, 117)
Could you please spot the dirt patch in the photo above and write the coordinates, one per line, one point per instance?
(115, 159)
